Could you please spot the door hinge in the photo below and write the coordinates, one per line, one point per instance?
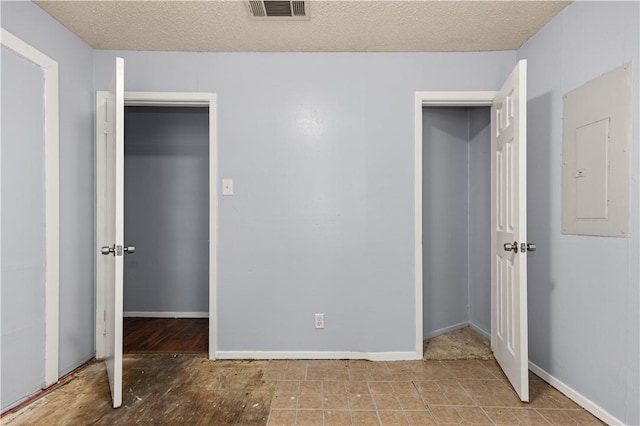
(105, 128)
(104, 323)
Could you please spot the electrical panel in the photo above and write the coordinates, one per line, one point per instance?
(595, 156)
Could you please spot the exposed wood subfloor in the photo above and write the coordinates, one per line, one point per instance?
(174, 335)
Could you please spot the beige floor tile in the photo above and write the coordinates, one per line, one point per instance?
(337, 418)
(336, 402)
(411, 402)
(282, 418)
(335, 387)
(515, 416)
(378, 388)
(316, 373)
(287, 387)
(445, 414)
(294, 374)
(420, 418)
(277, 365)
(310, 418)
(434, 398)
(273, 375)
(365, 418)
(284, 401)
(310, 387)
(360, 375)
(473, 415)
(358, 388)
(393, 418)
(361, 402)
(407, 388)
(569, 417)
(542, 395)
(387, 401)
(310, 401)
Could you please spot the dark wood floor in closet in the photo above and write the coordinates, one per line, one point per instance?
(177, 335)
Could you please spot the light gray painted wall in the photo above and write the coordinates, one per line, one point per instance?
(479, 244)
(23, 220)
(320, 147)
(445, 212)
(77, 248)
(456, 218)
(584, 304)
(167, 209)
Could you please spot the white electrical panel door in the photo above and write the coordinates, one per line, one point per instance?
(595, 156)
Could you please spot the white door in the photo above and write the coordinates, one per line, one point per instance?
(114, 231)
(509, 337)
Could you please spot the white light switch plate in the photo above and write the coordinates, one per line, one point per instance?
(227, 186)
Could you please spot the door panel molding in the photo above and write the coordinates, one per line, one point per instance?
(52, 197)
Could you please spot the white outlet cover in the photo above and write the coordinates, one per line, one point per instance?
(227, 186)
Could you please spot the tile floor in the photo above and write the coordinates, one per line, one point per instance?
(411, 393)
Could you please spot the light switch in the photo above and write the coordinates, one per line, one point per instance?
(227, 186)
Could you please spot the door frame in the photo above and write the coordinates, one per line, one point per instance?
(161, 99)
(51, 199)
(433, 99)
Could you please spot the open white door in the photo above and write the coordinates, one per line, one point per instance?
(509, 337)
(114, 231)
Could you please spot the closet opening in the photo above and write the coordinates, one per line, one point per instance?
(166, 216)
(456, 232)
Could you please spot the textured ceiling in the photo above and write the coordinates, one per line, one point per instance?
(337, 26)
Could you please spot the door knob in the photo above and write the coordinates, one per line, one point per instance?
(106, 250)
(531, 247)
(511, 246)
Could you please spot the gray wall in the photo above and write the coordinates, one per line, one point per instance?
(445, 209)
(320, 147)
(480, 218)
(23, 227)
(34, 26)
(583, 291)
(167, 209)
(456, 219)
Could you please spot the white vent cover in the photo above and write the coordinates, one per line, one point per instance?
(278, 9)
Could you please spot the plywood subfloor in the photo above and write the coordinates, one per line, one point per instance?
(158, 389)
(172, 335)
(464, 343)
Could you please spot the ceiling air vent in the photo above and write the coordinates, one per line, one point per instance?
(272, 9)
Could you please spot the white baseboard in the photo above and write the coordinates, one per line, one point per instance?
(578, 398)
(446, 330)
(129, 314)
(370, 356)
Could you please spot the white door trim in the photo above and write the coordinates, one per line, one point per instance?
(52, 198)
(461, 99)
(163, 99)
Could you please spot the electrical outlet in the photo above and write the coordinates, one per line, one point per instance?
(319, 320)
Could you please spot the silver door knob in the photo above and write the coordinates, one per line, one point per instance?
(106, 250)
(511, 246)
(129, 249)
(531, 247)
